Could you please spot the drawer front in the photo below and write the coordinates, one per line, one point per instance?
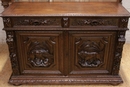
(61, 22)
(36, 21)
(84, 22)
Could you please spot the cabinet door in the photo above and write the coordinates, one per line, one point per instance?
(40, 52)
(91, 52)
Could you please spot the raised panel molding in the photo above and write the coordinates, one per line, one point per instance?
(40, 54)
(41, 51)
(90, 53)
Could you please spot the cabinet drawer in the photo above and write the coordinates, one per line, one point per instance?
(64, 22)
(94, 21)
(36, 21)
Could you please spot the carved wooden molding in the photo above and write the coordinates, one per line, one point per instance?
(118, 52)
(85, 80)
(12, 51)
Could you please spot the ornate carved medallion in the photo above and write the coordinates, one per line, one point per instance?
(90, 53)
(40, 53)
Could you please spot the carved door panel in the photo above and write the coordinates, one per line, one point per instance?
(91, 52)
(40, 52)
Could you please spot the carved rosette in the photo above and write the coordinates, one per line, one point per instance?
(12, 51)
(118, 53)
(7, 22)
(41, 53)
(94, 22)
(90, 53)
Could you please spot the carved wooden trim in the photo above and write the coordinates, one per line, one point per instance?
(12, 51)
(123, 22)
(5, 3)
(64, 80)
(65, 22)
(118, 52)
(94, 22)
(36, 21)
(7, 22)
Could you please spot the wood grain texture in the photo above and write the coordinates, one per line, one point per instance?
(65, 9)
(65, 43)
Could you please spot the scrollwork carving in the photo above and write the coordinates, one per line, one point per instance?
(7, 22)
(94, 22)
(65, 23)
(36, 21)
(123, 22)
(12, 51)
(41, 53)
(118, 53)
(90, 53)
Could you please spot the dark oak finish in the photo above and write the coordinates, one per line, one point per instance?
(53, 44)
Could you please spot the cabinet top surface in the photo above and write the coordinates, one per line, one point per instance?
(66, 9)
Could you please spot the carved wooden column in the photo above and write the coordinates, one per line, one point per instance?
(5, 3)
(10, 39)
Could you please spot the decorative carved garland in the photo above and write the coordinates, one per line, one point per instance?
(94, 22)
(36, 21)
(12, 50)
(118, 53)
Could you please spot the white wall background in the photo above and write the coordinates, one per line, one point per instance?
(126, 4)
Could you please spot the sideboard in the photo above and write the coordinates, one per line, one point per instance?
(65, 42)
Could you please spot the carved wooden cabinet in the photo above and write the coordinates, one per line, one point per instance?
(65, 46)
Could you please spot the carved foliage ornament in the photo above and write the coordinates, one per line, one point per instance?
(65, 23)
(118, 53)
(7, 22)
(36, 21)
(41, 53)
(12, 51)
(90, 53)
(93, 22)
(123, 22)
